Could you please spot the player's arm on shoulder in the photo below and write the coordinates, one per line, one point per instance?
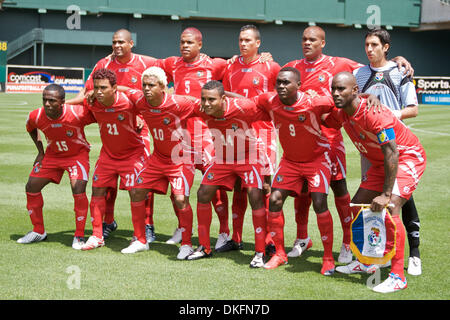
(233, 94)
(403, 63)
(372, 102)
(78, 99)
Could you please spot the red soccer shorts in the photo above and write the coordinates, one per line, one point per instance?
(225, 175)
(107, 171)
(290, 175)
(411, 166)
(53, 168)
(158, 173)
(338, 162)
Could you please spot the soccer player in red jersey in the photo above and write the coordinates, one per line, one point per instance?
(236, 154)
(189, 72)
(398, 162)
(249, 77)
(317, 71)
(297, 116)
(123, 151)
(128, 67)
(165, 115)
(67, 150)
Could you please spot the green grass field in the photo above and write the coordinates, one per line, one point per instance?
(42, 270)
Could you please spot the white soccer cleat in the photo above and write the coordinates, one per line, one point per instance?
(176, 237)
(31, 237)
(357, 267)
(78, 242)
(346, 255)
(392, 284)
(92, 243)
(185, 251)
(135, 246)
(414, 266)
(257, 261)
(300, 246)
(222, 239)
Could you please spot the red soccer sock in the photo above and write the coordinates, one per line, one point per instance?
(204, 217)
(35, 203)
(81, 207)
(186, 218)
(97, 207)
(111, 195)
(149, 202)
(345, 215)
(397, 262)
(301, 205)
(138, 219)
(238, 209)
(220, 203)
(260, 227)
(325, 224)
(275, 225)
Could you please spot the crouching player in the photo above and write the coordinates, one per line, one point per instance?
(67, 150)
(398, 161)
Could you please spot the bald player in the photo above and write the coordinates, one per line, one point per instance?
(317, 71)
(397, 159)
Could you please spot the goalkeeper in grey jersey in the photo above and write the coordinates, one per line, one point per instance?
(383, 79)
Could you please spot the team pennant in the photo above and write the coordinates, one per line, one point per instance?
(373, 236)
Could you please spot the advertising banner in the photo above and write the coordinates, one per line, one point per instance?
(33, 79)
(433, 90)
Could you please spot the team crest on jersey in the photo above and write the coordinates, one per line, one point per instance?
(37, 168)
(362, 136)
(302, 117)
(166, 121)
(69, 133)
(234, 126)
(199, 73)
(374, 237)
(133, 79)
(321, 78)
(120, 117)
(279, 178)
(210, 176)
(95, 177)
(139, 180)
(379, 76)
(255, 81)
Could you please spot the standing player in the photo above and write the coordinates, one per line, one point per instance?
(317, 70)
(230, 121)
(122, 154)
(165, 115)
(67, 150)
(398, 162)
(189, 72)
(297, 117)
(128, 67)
(249, 77)
(395, 90)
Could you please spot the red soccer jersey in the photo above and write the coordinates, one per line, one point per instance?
(368, 131)
(317, 76)
(189, 78)
(65, 135)
(117, 125)
(235, 141)
(128, 74)
(167, 123)
(250, 80)
(298, 125)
